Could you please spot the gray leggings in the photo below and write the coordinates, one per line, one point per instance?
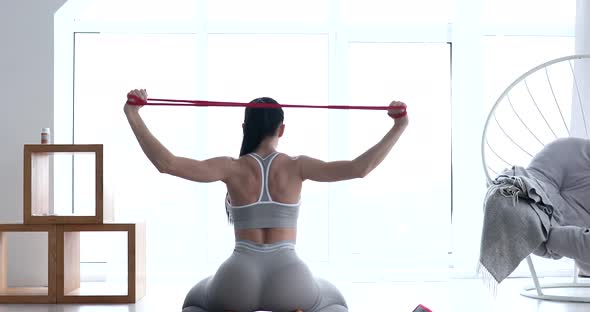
(268, 277)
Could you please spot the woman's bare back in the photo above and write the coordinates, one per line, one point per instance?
(284, 186)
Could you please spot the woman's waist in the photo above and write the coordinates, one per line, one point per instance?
(250, 246)
(265, 245)
(266, 235)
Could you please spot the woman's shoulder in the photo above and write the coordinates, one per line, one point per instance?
(294, 158)
(286, 156)
(289, 161)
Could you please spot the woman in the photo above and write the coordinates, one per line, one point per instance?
(264, 186)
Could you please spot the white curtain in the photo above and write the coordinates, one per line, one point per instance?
(579, 127)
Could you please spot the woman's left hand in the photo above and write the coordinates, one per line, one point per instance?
(132, 97)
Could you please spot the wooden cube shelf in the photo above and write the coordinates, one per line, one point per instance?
(37, 190)
(69, 288)
(28, 294)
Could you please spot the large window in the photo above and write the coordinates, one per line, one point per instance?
(394, 224)
(389, 203)
(290, 69)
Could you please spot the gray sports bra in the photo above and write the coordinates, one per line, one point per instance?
(264, 213)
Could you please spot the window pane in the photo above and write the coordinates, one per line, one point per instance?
(133, 10)
(103, 258)
(292, 69)
(508, 57)
(530, 11)
(409, 194)
(395, 11)
(266, 11)
(107, 66)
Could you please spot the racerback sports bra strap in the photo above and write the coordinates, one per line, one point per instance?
(264, 163)
(264, 213)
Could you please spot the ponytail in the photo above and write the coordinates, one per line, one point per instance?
(259, 123)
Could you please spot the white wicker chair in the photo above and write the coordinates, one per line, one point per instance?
(531, 112)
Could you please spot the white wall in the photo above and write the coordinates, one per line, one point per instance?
(582, 72)
(26, 106)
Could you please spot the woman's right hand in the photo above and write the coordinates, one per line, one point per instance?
(136, 98)
(399, 114)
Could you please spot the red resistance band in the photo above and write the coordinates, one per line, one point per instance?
(134, 100)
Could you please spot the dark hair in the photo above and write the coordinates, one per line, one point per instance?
(260, 123)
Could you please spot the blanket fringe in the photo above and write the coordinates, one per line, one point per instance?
(488, 279)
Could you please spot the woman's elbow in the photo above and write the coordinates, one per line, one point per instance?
(163, 169)
(359, 171)
(164, 166)
(363, 174)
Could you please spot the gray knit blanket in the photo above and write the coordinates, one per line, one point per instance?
(517, 218)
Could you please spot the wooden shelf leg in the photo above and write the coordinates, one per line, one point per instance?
(3, 262)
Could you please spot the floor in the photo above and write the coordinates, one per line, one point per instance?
(455, 295)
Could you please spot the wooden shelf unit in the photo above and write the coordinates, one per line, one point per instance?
(68, 263)
(36, 184)
(64, 283)
(28, 294)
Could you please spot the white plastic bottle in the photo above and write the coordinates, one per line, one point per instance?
(45, 135)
